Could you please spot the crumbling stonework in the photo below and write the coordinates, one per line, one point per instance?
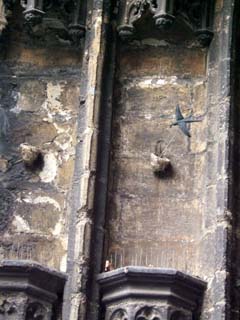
(40, 95)
(88, 92)
(149, 220)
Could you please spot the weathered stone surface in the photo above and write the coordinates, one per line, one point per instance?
(47, 250)
(181, 219)
(146, 212)
(6, 207)
(159, 61)
(3, 165)
(40, 93)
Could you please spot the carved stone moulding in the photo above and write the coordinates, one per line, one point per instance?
(62, 19)
(195, 15)
(29, 291)
(141, 293)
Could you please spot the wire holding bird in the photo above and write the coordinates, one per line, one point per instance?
(158, 158)
(182, 122)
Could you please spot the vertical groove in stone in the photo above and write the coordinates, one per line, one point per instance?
(80, 230)
(103, 161)
(234, 157)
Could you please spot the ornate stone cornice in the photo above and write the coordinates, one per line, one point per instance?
(195, 15)
(147, 293)
(29, 290)
(60, 19)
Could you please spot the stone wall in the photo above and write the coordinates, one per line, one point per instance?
(40, 95)
(182, 219)
(156, 221)
(64, 110)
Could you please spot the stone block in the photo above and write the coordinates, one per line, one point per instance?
(162, 61)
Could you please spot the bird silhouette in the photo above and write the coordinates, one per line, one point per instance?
(182, 122)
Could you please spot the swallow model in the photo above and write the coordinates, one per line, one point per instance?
(182, 122)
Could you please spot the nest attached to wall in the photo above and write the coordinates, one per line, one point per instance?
(159, 164)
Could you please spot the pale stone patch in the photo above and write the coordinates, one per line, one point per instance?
(53, 104)
(44, 200)
(63, 141)
(20, 224)
(16, 109)
(153, 82)
(49, 171)
(58, 229)
(145, 83)
(161, 81)
(53, 95)
(155, 42)
(148, 116)
(63, 263)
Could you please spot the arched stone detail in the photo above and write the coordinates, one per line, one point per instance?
(8, 309)
(119, 314)
(30, 292)
(148, 313)
(36, 310)
(62, 21)
(196, 15)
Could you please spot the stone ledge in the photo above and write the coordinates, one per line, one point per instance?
(31, 277)
(164, 290)
(28, 289)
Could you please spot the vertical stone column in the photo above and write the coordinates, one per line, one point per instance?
(3, 20)
(83, 191)
(218, 219)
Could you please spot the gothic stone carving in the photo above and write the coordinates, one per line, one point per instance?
(59, 21)
(156, 311)
(29, 291)
(148, 313)
(8, 310)
(140, 293)
(196, 15)
(36, 310)
(119, 314)
(15, 306)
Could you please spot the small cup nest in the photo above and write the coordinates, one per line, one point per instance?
(159, 164)
(32, 157)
